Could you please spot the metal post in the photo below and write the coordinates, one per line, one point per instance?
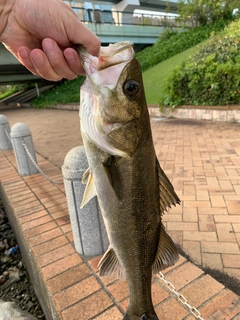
(23, 149)
(89, 234)
(5, 141)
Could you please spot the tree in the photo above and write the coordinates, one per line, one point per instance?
(200, 12)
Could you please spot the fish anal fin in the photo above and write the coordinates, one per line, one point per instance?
(90, 190)
(168, 196)
(112, 171)
(109, 264)
(167, 254)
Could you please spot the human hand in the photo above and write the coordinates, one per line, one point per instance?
(42, 34)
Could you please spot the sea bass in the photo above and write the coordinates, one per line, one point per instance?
(132, 189)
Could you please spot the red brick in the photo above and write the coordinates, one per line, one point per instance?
(36, 222)
(183, 275)
(45, 236)
(112, 313)
(32, 216)
(224, 304)
(119, 290)
(50, 244)
(171, 309)
(61, 265)
(35, 233)
(76, 292)
(158, 293)
(68, 278)
(89, 307)
(201, 290)
(55, 255)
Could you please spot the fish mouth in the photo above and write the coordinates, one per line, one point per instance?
(106, 69)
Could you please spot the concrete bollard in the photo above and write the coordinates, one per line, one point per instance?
(90, 237)
(5, 141)
(20, 134)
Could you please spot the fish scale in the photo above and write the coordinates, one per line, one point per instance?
(125, 175)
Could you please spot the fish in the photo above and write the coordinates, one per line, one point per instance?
(124, 173)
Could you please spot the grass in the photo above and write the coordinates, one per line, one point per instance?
(154, 78)
(9, 92)
(68, 92)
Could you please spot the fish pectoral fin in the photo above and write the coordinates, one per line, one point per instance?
(168, 196)
(167, 253)
(112, 172)
(86, 176)
(109, 264)
(90, 190)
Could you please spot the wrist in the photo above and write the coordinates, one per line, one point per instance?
(5, 9)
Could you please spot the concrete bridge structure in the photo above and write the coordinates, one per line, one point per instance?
(121, 23)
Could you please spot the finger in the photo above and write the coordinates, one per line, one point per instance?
(73, 60)
(43, 66)
(57, 60)
(23, 54)
(83, 36)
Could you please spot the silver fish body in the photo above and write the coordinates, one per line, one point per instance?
(124, 173)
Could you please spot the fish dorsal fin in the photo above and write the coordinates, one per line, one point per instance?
(109, 264)
(90, 190)
(111, 169)
(168, 196)
(167, 253)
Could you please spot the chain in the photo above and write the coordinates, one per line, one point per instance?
(180, 297)
(33, 161)
(36, 165)
(7, 134)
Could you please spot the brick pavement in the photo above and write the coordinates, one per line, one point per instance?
(68, 284)
(202, 159)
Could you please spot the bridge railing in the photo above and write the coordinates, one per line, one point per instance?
(119, 18)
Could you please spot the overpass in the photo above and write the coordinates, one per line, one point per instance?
(121, 23)
(11, 71)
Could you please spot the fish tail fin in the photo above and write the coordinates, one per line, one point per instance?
(127, 316)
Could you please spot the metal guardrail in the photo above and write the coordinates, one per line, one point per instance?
(119, 18)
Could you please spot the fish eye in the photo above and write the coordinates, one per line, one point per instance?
(130, 88)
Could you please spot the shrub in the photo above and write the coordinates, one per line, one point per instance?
(210, 77)
(68, 92)
(172, 43)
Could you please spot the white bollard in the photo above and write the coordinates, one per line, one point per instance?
(23, 149)
(5, 141)
(90, 237)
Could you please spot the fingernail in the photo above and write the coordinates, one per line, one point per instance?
(37, 58)
(69, 56)
(48, 45)
(23, 53)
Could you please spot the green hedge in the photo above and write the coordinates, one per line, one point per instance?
(68, 92)
(210, 77)
(174, 43)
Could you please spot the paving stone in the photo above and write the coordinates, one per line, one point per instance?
(76, 292)
(213, 261)
(225, 232)
(193, 250)
(61, 265)
(68, 278)
(89, 307)
(183, 275)
(112, 313)
(201, 290)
